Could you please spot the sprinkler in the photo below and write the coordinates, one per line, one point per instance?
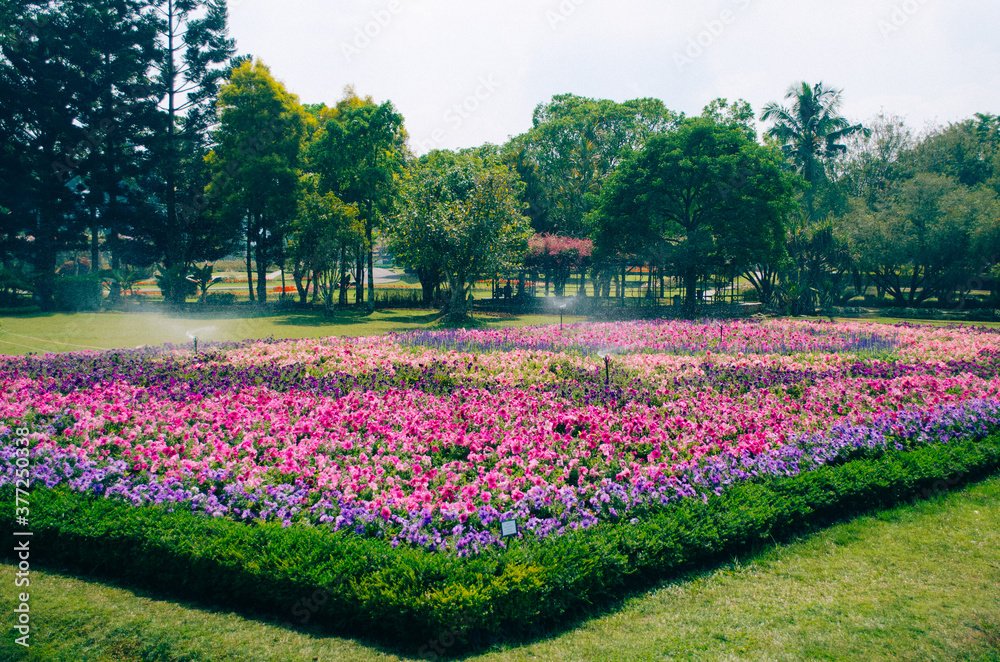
(607, 371)
(195, 338)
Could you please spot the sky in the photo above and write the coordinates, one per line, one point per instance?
(466, 72)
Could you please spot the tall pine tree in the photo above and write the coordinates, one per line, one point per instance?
(196, 55)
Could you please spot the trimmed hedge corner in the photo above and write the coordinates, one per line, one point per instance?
(425, 602)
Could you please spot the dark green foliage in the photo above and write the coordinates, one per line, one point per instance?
(76, 293)
(416, 600)
(702, 199)
(174, 284)
(220, 299)
(195, 58)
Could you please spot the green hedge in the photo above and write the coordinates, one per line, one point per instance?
(437, 603)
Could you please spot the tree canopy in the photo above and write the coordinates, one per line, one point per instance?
(463, 214)
(704, 196)
(811, 132)
(359, 153)
(574, 145)
(255, 163)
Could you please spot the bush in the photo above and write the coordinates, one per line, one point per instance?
(427, 602)
(77, 293)
(174, 284)
(220, 299)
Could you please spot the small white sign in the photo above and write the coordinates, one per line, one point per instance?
(508, 528)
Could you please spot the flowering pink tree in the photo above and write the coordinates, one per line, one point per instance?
(558, 257)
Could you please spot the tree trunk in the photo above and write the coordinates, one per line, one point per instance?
(345, 279)
(371, 262)
(249, 256)
(95, 247)
(359, 279)
(690, 290)
(427, 284)
(329, 286)
(301, 284)
(458, 307)
(44, 264)
(171, 160)
(261, 270)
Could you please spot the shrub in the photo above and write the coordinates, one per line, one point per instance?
(220, 299)
(423, 601)
(77, 293)
(174, 284)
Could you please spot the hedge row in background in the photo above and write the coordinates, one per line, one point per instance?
(434, 603)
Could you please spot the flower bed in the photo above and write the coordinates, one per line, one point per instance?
(424, 442)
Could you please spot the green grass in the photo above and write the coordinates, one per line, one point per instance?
(41, 333)
(880, 319)
(921, 581)
(66, 332)
(916, 582)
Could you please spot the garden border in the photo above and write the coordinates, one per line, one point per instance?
(433, 603)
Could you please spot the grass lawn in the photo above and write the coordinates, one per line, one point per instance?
(41, 333)
(67, 332)
(920, 581)
(902, 320)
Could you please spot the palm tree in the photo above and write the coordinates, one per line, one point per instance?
(810, 131)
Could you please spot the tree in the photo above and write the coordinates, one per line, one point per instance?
(195, 56)
(810, 131)
(573, 147)
(359, 154)
(930, 239)
(558, 257)
(817, 274)
(738, 114)
(705, 194)
(121, 122)
(462, 216)
(255, 164)
(875, 160)
(203, 278)
(46, 90)
(325, 229)
(123, 280)
(967, 151)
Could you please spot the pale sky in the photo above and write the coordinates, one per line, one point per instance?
(465, 72)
